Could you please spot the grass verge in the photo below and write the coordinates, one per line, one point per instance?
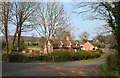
(106, 72)
(33, 46)
(112, 51)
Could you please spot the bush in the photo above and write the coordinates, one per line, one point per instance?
(58, 56)
(72, 56)
(22, 46)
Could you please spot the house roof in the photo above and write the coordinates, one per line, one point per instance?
(90, 41)
(57, 43)
(65, 42)
(82, 43)
(73, 42)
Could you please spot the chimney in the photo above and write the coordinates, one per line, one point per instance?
(53, 37)
(67, 38)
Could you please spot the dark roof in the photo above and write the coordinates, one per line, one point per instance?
(57, 43)
(73, 42)
(65, 42)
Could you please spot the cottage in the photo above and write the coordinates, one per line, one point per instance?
(60, 45)
(88, 46)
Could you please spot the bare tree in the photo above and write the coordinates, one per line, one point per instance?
(84, 36)
(5, 14)
(32, 39)
(51, 16)
(107, 11)
(103, 30)
(23, 12)
(61, 33)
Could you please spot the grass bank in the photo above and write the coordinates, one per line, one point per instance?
(110, 69)
(113, 51)
(106, 72)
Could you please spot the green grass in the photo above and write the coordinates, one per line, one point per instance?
(33, 46)
(113, 51)
(105, 71)
(30, 42)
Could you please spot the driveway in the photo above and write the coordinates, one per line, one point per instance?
(87, 68)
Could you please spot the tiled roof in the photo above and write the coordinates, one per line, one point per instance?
(65, 43)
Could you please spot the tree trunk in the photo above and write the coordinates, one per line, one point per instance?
(6, 14)
(6, 36)
(19, 35)
(15, 37)
(118, 48)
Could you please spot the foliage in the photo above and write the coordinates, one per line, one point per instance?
(57, 56)
(98, 44)
(110, 13)
(113, 50)
(112, 61)
(42, 42)
(22, 47)
(84, 36)
(62, 33)
(110, 69)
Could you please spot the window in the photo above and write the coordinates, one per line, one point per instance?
(93, 48)
(68, 45)
(83, 48)
(48, 45)
(90, 48)
(60, 45)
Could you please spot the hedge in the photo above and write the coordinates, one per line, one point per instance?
(57, 56)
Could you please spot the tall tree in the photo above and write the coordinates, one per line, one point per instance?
(61, 33)
(5, 14)
(51, 16)
(23, 12)
(32, 39)
(84, 36)
(110, 13)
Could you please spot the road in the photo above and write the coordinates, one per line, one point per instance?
(87, 68)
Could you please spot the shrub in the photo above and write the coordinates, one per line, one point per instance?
(72, 56)
(22, 46)
(58, 56)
